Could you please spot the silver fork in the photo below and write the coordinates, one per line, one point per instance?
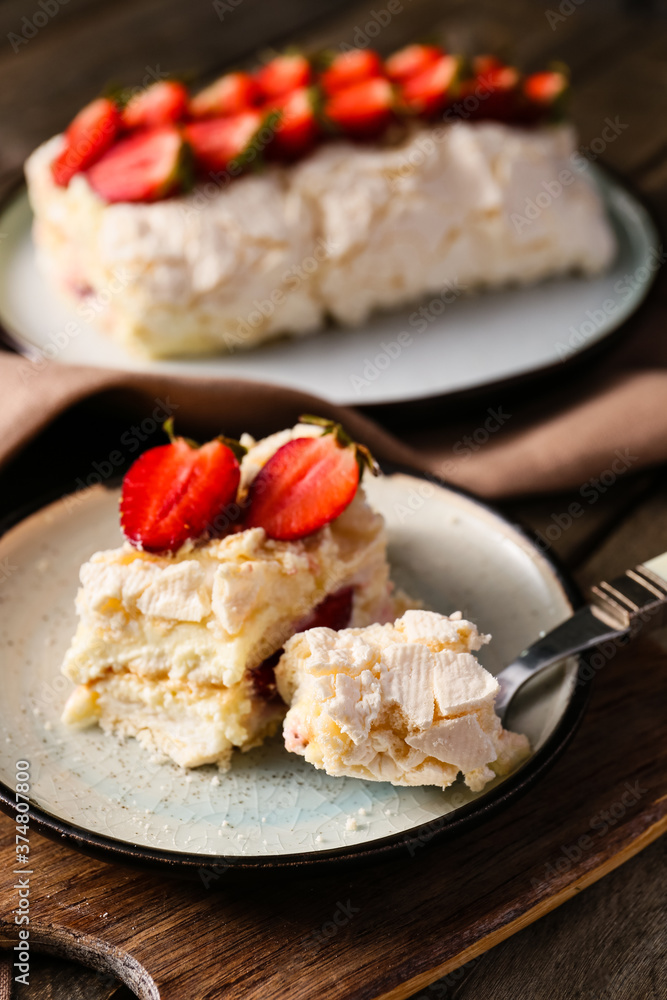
(633, 602)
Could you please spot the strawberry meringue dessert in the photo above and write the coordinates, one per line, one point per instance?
(231, 548)
(311, 190)
(253, 588)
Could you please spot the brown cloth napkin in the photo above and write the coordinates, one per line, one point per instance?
(592, 425)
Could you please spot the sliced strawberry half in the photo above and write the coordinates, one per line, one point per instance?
(307, 483)
(215, 142)
(350, 67)
(229, 95)
(411, 61)
(163, 103)
(496, 89)
(145, 166)
(428, 92)
(544, 95)
(545, 88)
(176, 491)
(88, 136)
(363, 110)
(296, 127)
(282, 74)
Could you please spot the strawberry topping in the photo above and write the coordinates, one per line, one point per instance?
(163, 103)
(544, 96)
(215, 142)
(496, 88)
(282, 74)
(90, 134)
(296, 130)
(231, 94)
(350, 67)
(307, 483)
(410, 61)
(363, 110)
(176, 491)
(545, 88)
(428, 92)
(283, 112)
(146, 165)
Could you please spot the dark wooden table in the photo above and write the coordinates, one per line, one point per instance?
(609, 943)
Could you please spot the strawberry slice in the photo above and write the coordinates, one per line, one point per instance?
(411, 61)
(231, 94)
(307, 483)
(350, 67)
(544, 95)
(176, 491)
(88, 136)
(363, 110)
(545, 88)
(497, 89)
(145, 166)
(282, 74)
(160, 104)
(215, 142)
(428, 92)
(296, 129)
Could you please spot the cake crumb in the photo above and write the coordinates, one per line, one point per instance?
(351, 823)
(215, 780)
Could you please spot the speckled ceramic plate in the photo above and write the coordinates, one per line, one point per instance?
(473, 343)
(272, 808)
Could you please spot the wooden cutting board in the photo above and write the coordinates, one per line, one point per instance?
(380, 932)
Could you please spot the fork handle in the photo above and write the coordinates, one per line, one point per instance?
(619, 609)
(636, 599)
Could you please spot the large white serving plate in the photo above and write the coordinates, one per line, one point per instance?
(272, 808)
(475, 341)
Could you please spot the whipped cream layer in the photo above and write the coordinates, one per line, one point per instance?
(348, 230)
(166, 645)
(406, 703)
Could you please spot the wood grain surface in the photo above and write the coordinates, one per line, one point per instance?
(417, 918)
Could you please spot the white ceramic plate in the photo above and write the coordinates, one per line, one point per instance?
(272, 808)
(477, 340)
